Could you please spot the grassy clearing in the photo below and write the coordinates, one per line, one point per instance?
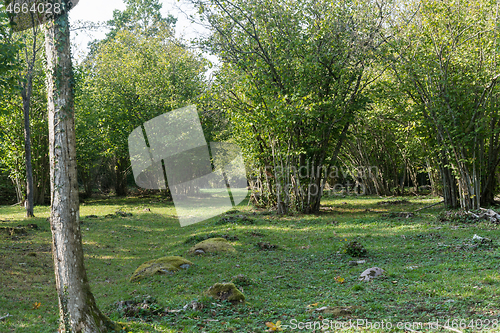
(432, 274)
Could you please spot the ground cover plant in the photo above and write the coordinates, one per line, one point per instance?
(293, 269)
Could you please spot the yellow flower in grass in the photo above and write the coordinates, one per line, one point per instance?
(274, 327)
(339, 279)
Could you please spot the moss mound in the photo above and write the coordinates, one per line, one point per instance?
(226, 292)
(212, 245)
(200, 238)
(236, 219)
(165, 265)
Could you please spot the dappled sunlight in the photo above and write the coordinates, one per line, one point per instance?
(294, 258)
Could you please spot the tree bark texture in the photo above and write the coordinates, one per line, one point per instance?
(450, 190)
(26, 95)
(78, 310)
(121, 176)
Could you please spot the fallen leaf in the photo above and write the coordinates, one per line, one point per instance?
(274, 327)
(339, 279)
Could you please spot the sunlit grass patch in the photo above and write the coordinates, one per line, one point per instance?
(431, 272)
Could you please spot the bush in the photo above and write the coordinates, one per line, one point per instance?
(7, 190)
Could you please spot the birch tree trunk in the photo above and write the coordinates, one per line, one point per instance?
(77, 307)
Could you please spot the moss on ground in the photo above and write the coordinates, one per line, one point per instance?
(165, 265)
(226, 292)
(434, 271)
(212, 245)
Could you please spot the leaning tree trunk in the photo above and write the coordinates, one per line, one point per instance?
(77, 307)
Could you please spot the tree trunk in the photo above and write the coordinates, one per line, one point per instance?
(430, 174)
(77, 307)
(26, 97)
(489, 190)
(413, 176)
(450, 190)
(41, 180)
(19, 190)
(317, 176)
(121, 177)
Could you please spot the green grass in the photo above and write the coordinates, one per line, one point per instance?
(431, 272)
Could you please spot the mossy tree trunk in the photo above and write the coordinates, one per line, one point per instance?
(78, 310)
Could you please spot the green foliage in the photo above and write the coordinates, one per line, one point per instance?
(7, 189)
(9, 63)
(445, 60)
(12, 148)
(128, 80)
(291, 79)
(141, 16)
(388, 142)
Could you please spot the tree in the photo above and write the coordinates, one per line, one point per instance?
(292, 79)
(8, 53)
(26, 92)
(128, 80)
(77, 307)
(141, 16)
(136, 73)
(89, 143)
(12, 152)
(11, 146)
(445, 59)
(387, 146)
(10, 157)
(23, 109)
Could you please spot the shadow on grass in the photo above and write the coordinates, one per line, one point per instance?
(427, 276)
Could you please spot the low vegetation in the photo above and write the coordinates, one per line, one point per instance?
(435, 271)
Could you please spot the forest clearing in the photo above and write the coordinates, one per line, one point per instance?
(295, 165)
(434, 270)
